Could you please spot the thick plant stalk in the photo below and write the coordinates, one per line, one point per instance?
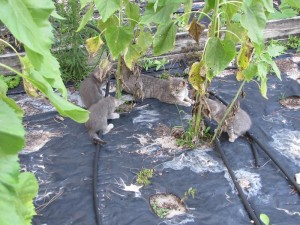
(228, 110)
(118, 78)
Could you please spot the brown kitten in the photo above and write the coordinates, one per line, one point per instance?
(91, 87)
(172, 90)
(239, 125)
(99, 114)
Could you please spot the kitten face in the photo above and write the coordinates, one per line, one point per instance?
(178, 87)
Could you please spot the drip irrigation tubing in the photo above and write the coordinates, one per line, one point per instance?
(254, 152)
(243, 197)
(95, 183)
(265, 149)
(262, 146)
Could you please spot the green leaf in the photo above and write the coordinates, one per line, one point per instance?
(209, 5)
(3, 86)
(250, 72)
(86, 18)
(264, 218)
(11, 130)
(218, 54)
(284, 13)
(110, 22)
(293, 3)
(16, 192)
(83, 3)
(187, 9)
(268, 4)
(56, 16)
(231, 9)
(107, 8)
(275, 50)
(118, 39)
(134, 52)
(254, 20)
(132, 11)
(64, 107)
(162, 15)
(12, 104)
(263, 87)
(164, 39)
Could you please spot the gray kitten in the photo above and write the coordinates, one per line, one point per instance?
(238, 125)
(172, 90)
(91, 87)
(99, 114)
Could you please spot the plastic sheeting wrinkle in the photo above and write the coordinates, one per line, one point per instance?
(131, 188)
(198, 161)
(287, 142)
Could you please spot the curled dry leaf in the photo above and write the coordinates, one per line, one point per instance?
(195, 30)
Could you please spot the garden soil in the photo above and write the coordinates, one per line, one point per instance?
(62, 156)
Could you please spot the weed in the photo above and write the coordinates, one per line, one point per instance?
(143, 176)
(159, 211)
(164, 76)
(69, 52)
(293, 42)
(264, 218)
(148, 63)
(11, 81)
(191, 192)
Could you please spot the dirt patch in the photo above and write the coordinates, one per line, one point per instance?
(290, 67)
(291, 102)
(167, 205)
(36, 139)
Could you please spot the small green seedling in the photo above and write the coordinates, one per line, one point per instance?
(143, 176)
(191, 192)
(147, 63)
(294, 42)
(11, 81)
(160, 212)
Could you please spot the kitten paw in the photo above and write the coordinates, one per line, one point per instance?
(186, 104)
(108, 128)
(98, 141)
(114, 116)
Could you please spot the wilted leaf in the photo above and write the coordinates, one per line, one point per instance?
(30, 89)
(164, 39)
(240, 76)
(263, 87)
(94, 44)
(195, 30)
(197, 76)
(118, 39)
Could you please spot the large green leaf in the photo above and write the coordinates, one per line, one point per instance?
(118, 39)
(16, 192)
(162, 15)
(3, 86)
(64, 107)
(164, 39)
(132, 11)
(268, 4)
(254, 20)
(33, 29)
(218, 54)
(83, 3)
(107, 8)
(293, 3)
(110, 22)
(135, 51)
(187, 9)
(11, 130)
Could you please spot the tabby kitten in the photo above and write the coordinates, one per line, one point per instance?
(239, 124)
(99, 114)
(91, 87)
(171, 90)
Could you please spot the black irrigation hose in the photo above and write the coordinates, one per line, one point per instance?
(254, 152)
(95, 182)
(262, 146)
(251, 136)
(243, 197)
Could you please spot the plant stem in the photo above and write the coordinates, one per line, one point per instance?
(227, 111)
(215, 18)
(118, 91)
